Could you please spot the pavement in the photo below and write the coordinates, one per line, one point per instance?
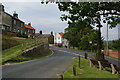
(48, 67)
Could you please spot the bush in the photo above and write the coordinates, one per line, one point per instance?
(19, 35)
(22, 35)
(59, 45)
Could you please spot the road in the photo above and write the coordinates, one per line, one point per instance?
(47, 67)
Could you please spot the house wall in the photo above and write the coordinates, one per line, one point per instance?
(65, 42)
(8, 33)
(51, 39)
(6, 21)
(58, 38)
(30, 33)
(18, 26)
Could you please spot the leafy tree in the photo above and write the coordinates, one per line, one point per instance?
(87, 14)
(116, 44)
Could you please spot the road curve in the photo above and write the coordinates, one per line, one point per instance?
(47, 67)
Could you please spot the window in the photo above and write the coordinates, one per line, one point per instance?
(25, 32)
(18, 30)
(28, 35)
(21, 31)
(33, 31)
(28, 30)
(14, 22)
(21, 25)
(3, 27)
(10, 28)
(58, 37)
(14, 30)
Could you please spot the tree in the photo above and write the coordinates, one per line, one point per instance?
(87, 14)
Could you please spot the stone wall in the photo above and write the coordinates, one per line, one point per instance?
(8, 33)
(36, 51)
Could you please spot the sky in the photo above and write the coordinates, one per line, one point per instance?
(46, 17)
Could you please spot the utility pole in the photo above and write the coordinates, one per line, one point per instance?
(107, 40)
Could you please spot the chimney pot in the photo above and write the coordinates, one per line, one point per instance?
(29, 24)
(41, 32)
(51, 33)
(1, 7)
(15, 14)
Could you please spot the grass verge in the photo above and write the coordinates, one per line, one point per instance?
(14, 53)
(20, 58)
(112, 57)
(85, 72)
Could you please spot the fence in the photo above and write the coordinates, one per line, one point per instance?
(112, 53)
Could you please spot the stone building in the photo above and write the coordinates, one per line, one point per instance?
(11, 24)
(17, 24)
(45, 37)
(29, 30)
(6, 19)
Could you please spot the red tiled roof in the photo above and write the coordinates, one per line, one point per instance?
(30, 27)
(61, 34)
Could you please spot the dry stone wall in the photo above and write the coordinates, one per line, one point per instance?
(36, 51)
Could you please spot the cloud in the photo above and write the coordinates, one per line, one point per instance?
(112, 33)
(44, 17)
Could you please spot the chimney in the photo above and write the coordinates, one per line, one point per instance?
(51, 33)
(41, 32)
(1, 7)
(15, 14)
(29, 24)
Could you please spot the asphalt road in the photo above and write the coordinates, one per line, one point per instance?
(47, 67)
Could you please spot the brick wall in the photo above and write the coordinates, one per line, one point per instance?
(112, 53)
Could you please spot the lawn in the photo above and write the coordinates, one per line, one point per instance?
(85, 72)
(13, 54)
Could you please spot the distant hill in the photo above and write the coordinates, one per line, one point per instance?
(110, 41)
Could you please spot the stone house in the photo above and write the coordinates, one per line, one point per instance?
(29, 30)
(11, 24)
(6, 19)
(17, 24)
(45, 37)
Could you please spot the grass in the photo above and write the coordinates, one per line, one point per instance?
(84, 51)
(85, 72)
(113, 57)
(14, 53)
(95, 53)
(20, 58)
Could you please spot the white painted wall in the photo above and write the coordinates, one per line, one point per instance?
(58, 38)
(65, 42)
